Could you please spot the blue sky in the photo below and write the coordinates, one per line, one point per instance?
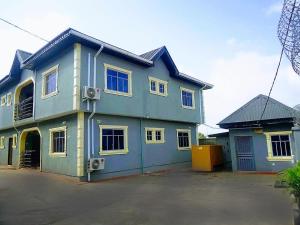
(232, 44)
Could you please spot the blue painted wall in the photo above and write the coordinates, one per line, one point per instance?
(155, 156)
(261, 149)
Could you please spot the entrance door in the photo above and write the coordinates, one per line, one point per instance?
(244, 151)
(10, 151)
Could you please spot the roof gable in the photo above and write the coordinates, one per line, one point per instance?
(251, 111)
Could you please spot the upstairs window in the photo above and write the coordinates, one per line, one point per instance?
(158, 87)
(3, 100)
(58, 144)
(8, 99)
(187, 98)
(183, 139)
(117, 80)
(155, 135)
(50, 82)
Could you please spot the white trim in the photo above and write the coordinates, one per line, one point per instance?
(2, 142)
(153, 134)
(114, 152)
(15, 141)
(53, 130)
(128, 72)
(270, 156)
(157, 83)
(44, 76)
(3, 100)
(193, 97)
(9, 99)
(190, 139)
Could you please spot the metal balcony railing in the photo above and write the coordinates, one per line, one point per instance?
(24, 109)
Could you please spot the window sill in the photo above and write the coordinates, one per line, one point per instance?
(184, 149)
(49, 95)
(120, 152)
(117, 93)
(153, 142)
(273, 159)
(59, 155)
(188, 107)
(159, 94)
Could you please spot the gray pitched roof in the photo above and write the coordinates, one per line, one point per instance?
(23, 55)
(252, 111)
(150, 55)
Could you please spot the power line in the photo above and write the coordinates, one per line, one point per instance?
(24, 30)
(216, 128)
(279, 63)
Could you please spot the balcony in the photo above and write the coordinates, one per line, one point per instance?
(24, 109)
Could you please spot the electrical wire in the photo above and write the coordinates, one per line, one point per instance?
(279, 63)
(24, 30)
(216, 128)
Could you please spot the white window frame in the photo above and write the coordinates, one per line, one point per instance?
(270, 156)
(9, 99)
(114, 152)
(54, 130)
(190, 139)
(3, 100)
(153, 134)
(45, 75)
(128, 72)
(193, 97)
(15, 141)
(2, 142)
(157, 82)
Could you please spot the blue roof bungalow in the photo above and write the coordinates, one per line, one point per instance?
(270, 144)
(85, 108)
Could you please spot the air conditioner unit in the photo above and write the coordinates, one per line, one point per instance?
(91, 93)
(96, 164)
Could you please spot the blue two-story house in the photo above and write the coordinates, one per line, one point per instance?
(85, 108)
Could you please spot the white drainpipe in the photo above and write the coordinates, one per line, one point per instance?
(93, 113)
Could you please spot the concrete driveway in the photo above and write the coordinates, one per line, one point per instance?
(181, 197)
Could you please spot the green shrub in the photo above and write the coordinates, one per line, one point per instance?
(292, 178)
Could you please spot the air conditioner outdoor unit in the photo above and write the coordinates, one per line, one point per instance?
(96, 164)
(91, 93)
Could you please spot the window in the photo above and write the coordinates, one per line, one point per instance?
(117, 80)
(50, 82)
(155, 135)
(2, 139)
(279, 147)
(113, 140)
(8, 99)
(183, 139)
(187, 98)
(3, 100)
(58, 141)
(158, 87)
(14, 144)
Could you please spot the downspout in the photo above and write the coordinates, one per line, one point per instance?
(93, 113)
(201, 110)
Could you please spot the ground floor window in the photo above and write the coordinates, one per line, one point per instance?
(2, 142)
(155, 135)
(279, 146)
(58, 141)
(184, 139)
(14, 144)
(113, 139)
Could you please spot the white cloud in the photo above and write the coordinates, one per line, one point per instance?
(241, 78)
(274, 8)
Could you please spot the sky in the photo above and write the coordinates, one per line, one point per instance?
(232, 44)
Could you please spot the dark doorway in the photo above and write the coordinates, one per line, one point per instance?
(32, 150)
(10, 151)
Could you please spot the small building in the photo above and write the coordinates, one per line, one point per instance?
(268, 144)
(79, 102)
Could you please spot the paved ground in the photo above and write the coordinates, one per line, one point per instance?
(182, 197)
